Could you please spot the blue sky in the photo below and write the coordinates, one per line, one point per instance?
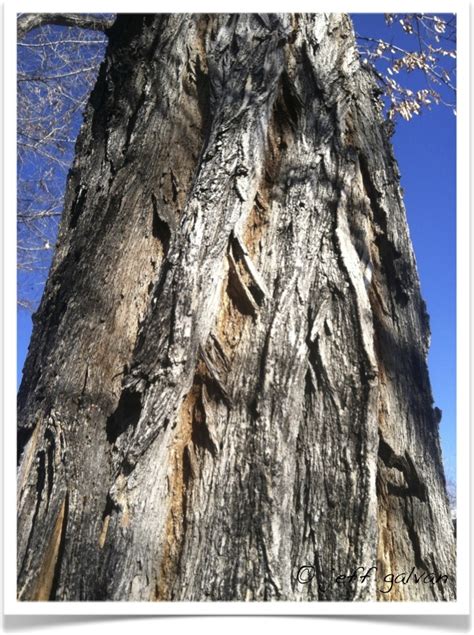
(425, 148)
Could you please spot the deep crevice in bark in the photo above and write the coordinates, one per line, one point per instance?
(126, 414)
(23, 436)
(405, 465)
(160, 229)
(77, 208)
(389, 254)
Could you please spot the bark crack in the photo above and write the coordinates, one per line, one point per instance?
(404, 464)
(397, 277)
(125, 416)
(194, 437)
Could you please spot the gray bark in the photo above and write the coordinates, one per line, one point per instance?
(227, 375)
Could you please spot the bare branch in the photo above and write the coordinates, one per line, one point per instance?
(29, 21)
(46, 78)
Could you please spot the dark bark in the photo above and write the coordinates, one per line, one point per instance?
(227, 376)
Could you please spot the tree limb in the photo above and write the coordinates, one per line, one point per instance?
(30, 21)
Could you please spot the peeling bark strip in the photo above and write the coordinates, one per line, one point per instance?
(228, 368)
(51, 563)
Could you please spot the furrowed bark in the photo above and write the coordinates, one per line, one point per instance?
(227, 376)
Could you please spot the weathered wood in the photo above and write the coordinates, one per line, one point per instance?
(227, 375)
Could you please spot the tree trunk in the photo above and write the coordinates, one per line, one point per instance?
(227, 376)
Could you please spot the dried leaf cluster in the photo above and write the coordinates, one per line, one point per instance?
(432, 56)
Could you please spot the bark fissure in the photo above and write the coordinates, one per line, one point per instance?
(414, 487)
(126, 414)
(193, 437)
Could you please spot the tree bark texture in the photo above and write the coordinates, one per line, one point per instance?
(227, 375)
